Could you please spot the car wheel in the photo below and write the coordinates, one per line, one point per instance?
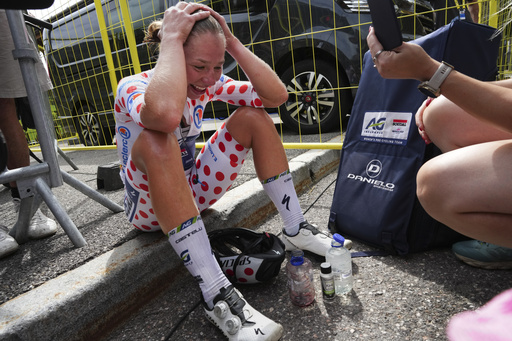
(313, 101)
(90, 132)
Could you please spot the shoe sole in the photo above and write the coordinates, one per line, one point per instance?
(486, 265)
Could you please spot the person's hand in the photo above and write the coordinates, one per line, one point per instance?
(419, 120)
(230, 38)
(408, 61)
(180, 19)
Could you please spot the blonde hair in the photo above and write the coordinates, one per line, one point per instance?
(207, 25)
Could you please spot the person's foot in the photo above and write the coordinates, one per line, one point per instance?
(490, 322)
(483, 255)
(8, 244)
(40, 226)
(309, 238)
(238, 321)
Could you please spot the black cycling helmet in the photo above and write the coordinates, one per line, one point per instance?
(246, 256)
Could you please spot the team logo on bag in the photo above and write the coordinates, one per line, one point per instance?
(386, 127)
(373, 168)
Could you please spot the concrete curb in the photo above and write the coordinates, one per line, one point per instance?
(84, 302)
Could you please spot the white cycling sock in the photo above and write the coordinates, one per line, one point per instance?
(281, 191)
(190, 241)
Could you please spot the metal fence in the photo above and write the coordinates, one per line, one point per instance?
(316, 47)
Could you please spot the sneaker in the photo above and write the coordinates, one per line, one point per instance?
(40, 226)
(238, 321)
(309, 238)
(8, 244)
(483, 255)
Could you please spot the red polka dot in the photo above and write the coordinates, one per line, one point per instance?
(222, 147)
(239, 147)
(217, 190)
(213, 202)
(258, 102)
(207, 171)
(243, 88)
(242, 280)
(249, 271)
(228, 137)
(233, 164)
(201, 200)
(201, 98)
(138, 107)
(130, 176)
(151, 211)
(194, 102)
(202, 149)
(233, 158)
(233, 176)
(142, 201)
(143, 214)
(144, 187)
(145, 177)
(146, 227)
(136, 217)
(131, 89)
(220, 90)
(223, 125)
(154, 223)
(230, 272)
(219, 176)
(242, 102)
(231, 89)
(132, 166)
(231, 102)
(204, 186)
(118, 109)
(198, 163)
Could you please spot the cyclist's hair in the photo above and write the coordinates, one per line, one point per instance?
(207, 25)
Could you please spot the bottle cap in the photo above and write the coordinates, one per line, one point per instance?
(339, 238)
(297, 257)
(325, 268)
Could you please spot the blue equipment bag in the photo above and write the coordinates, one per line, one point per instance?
(375, 196)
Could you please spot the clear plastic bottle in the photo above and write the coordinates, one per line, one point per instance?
(300, 279)
(341, 263)
(327, 279)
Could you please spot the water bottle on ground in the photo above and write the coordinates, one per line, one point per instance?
(341, 262)
(300, 279)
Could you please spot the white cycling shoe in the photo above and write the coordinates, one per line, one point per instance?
(309, 238)
(238, 321)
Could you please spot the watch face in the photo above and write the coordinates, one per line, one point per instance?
(427, 90)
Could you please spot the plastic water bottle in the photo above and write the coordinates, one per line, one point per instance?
(300, 279)
(341, 263)
(327, 279)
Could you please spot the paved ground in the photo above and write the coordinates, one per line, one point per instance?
(126, 285)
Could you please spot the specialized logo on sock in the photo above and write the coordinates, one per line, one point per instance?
(258, 331)
(286, 201)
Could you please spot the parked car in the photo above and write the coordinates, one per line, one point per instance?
(315, 47)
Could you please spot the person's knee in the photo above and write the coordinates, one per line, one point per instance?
(152, 145)
(248, 122)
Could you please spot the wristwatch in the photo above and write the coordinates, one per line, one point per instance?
(432, 87)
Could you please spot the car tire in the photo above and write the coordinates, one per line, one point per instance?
(303, 112)
(88, 126)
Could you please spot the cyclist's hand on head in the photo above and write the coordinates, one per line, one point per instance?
(230, 38)
(179, 20)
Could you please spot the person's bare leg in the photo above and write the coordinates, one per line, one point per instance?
(17, 147)
(449, 127)
(468, 189)
(158, 156)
